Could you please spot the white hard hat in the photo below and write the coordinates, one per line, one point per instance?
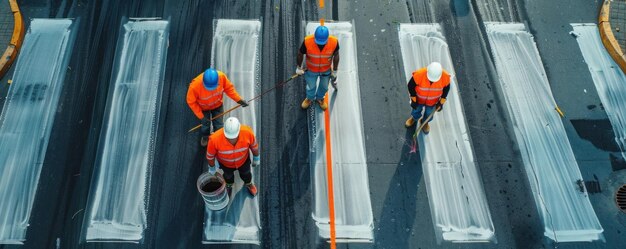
(231, 128)
(434, 71)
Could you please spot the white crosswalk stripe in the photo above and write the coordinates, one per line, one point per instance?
(236, 53)
(118, 194)
(548, 158)
(455, 191)
(27, 119)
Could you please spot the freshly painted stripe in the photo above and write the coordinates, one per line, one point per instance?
(353, 208)
(548, 158)
(27, 119)
(118, 200)
(609, 80)
(236, 52)
(457, 199)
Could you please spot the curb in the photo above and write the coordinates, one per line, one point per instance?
(607, 36)
(13, 49)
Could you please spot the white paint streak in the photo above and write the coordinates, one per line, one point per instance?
(457, 199)
(608, 78)
(236, 52)
(118, 200)
(548, 158)
(27, 118)
(353, 208)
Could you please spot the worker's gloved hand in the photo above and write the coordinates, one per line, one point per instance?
(299, 70)
(205, 121)
(333, 75)
(243, 103)
(212, 169)
(439, 105)
(256, 161)
(413, 105)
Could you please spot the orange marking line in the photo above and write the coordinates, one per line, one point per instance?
(321, 4)
(329, 172)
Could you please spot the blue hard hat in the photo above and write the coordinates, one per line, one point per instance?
(210, 79)
(321, 35)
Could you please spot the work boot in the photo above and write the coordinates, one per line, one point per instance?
(426, 129)
(204, 141)
(229, 189)
(251, 188)
(305, 104)
(409, 122)
(322, 104)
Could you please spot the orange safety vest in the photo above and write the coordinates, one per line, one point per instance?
(427, 93)
(228, 155)
(319, 61)
(200, 99)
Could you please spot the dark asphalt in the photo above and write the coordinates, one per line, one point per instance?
(399, 200)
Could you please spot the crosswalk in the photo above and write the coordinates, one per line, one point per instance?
(548, 158)
(456, 195)
(27, 118)
(118, 197)
(235, 51)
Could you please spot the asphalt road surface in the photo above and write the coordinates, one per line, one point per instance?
(398, 193)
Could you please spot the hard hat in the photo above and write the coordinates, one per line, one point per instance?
(434, 71)
(321, 35)
(231, 128)
(210, 79)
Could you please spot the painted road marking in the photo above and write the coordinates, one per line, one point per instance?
(609, 80)
(457, 199)
(118, 200)
(27, 119)
(353, 208)
(236, 53)
(548, 158)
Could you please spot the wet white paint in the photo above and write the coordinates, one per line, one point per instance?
(608, 78)
(235, 52)
(455, 191)
(548, 158)
(27, 118)
(353, 208)
(118, 200)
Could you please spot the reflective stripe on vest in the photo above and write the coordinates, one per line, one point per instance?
(319, 61)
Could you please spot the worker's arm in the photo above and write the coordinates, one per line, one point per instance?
(336, 58)
(254, 147)
(301, 53)
(193, 104)
(411, 87)
(445, 91)
(230, 90)
(211, 151)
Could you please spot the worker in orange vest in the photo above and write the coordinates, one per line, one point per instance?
(428, 89)
(231, 146)
(205, 96)
(322, 59)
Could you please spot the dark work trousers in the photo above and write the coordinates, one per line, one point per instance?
(218, 123)
(244, 172)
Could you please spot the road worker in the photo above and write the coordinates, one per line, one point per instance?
(204, 97)
(231, 146)
(322, 59)
(428, 89)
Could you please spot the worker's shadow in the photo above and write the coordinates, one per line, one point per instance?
(399, 209)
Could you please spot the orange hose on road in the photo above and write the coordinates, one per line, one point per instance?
(329, 173)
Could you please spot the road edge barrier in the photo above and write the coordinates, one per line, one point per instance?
(17, 38)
